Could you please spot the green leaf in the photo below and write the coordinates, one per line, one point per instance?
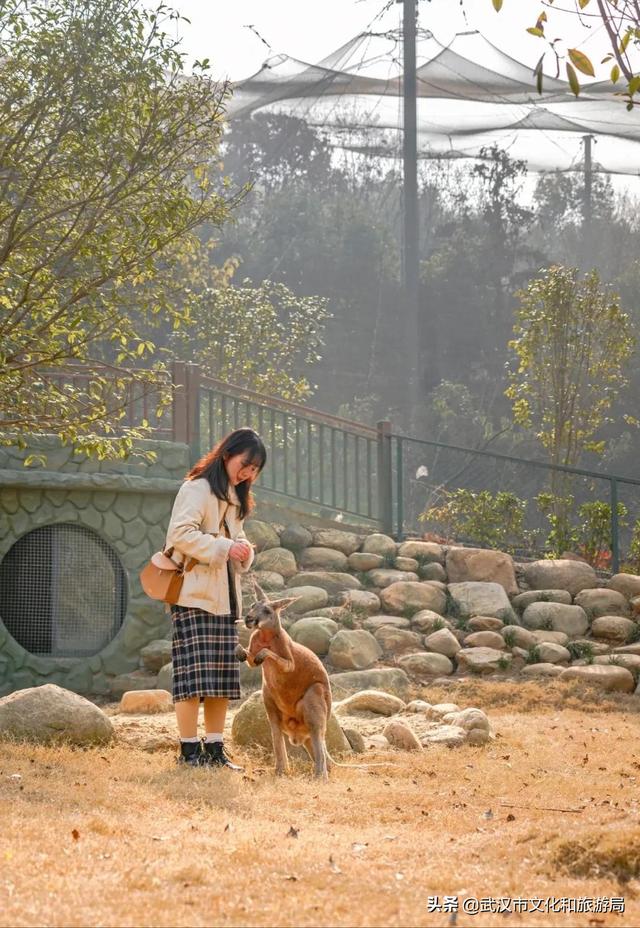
(538, 74)
(497, 5)
(574, 83)
(615, 74)
(582, 62)
(584, 3)
(535, 30)
(634, 85)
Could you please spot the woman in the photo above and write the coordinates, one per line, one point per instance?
(207, 525)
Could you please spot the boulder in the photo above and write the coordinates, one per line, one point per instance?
(470, 719)
(394, 641)
(314, 633)
(482, 660)
(404, 596)
(572, 576)
(355, 649)
(374, 622)
(517, 637)
(377, 543)
(333, 582)
(262, 535)
(390, 679)
(423, 664)
(355, 739)
(630, 661)
(613, 628)
(323, 559)
(417, 705)
(250, 728)
(432, 571)
(165, 678)
(557, 617)
(485, 640)
(449, 735)
(361, 601)
(375, 701)
(602, 602)
(361, 561)
(346, 542)
(463, 564)
(295, 537)
(627, 584)
(425, 552)
(406, 563)
(384, 577)
(307, 599)
(442, 641)
(50, 713)
(551, 653)
(269, 580)
(136, 680)
(522, 600)
(542, 670)
(542, 635)
(485, 623)
(611, 679)
(156, 654)
(486, 599)
(400, 736)
(427, 621)
(146, 702)
(440, 709)
(279, 560)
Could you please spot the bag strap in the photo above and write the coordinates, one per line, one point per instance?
(187, 565)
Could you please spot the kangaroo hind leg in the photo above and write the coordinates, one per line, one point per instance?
(315, 715)
(279, 745)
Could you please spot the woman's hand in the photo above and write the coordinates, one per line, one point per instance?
(240, 550)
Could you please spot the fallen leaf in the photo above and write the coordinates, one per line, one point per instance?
(293, 832)
(75, 834)
(510, 817)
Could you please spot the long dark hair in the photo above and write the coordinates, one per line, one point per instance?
(211, 466)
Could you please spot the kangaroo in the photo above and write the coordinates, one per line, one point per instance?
(295, 686)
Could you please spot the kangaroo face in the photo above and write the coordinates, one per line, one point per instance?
(267, 614)
(261, 615)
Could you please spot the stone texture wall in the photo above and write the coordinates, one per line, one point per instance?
(128, 504)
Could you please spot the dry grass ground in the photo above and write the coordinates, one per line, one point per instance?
(121, 836)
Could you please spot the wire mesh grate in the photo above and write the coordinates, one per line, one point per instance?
(63, 591)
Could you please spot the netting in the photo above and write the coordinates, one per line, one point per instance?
(471, 96)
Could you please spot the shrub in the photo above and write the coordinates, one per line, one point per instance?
(489, 520)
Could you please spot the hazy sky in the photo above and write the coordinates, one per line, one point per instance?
(310, 30)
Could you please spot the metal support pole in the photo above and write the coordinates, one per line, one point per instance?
(385, 487)
(399, 489)
(587, 205)
(193, 410)
(411, 229)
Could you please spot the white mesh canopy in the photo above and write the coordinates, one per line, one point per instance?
(470, 95)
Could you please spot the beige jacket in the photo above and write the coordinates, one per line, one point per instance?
(196, 531)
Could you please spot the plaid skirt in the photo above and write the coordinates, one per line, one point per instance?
(203, 652)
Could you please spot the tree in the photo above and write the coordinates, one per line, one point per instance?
(621, 21)
(572, 342)
(255, 336)
(108, 165)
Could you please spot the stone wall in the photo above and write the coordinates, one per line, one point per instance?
(128, 505)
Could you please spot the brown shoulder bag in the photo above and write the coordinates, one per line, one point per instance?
(162, 577)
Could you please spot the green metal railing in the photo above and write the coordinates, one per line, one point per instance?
(312, 456)
(369, 475)
(446, 467)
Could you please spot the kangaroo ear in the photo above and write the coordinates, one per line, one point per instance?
(261, 596)
(279, 604)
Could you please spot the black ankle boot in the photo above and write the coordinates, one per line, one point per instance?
(213, 756)
(190, 753)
